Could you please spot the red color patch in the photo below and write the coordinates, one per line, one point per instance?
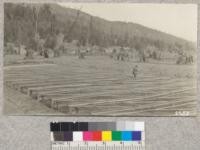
(97, 136)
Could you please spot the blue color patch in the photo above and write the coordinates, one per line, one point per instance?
(136, 136)
(126, 136)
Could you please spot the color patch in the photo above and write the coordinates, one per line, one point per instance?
(106, 135)
(66, 126)
(116, 136)
(77, 136)
(87, 136)
(68, 136)
(83, 126)
(129, 126)
(97, 136)
(139, 126)
(54, 126)
(52, 137)
(136, 135)
(80, 126)
(58, 136)
(126, 136)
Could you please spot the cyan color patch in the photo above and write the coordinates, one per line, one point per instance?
(136, 135)
(126, 136)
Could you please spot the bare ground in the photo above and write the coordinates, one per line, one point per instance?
(99, 85)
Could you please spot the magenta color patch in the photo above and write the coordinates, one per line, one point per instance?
(87, 136)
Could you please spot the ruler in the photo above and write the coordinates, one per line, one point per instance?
(97, 146)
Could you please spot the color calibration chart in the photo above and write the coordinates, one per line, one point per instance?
(122, 135)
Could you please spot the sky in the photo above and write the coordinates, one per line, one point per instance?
(176, 19)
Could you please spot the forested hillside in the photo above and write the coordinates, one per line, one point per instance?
(23, 23)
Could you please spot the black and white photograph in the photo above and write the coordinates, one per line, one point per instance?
(100, 59)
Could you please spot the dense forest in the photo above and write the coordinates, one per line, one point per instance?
(51, 25)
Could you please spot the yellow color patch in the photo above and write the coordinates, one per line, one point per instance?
(106, 135)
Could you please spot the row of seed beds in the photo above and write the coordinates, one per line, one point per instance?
(79, 91)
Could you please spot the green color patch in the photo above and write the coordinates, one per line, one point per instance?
(116, 135)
